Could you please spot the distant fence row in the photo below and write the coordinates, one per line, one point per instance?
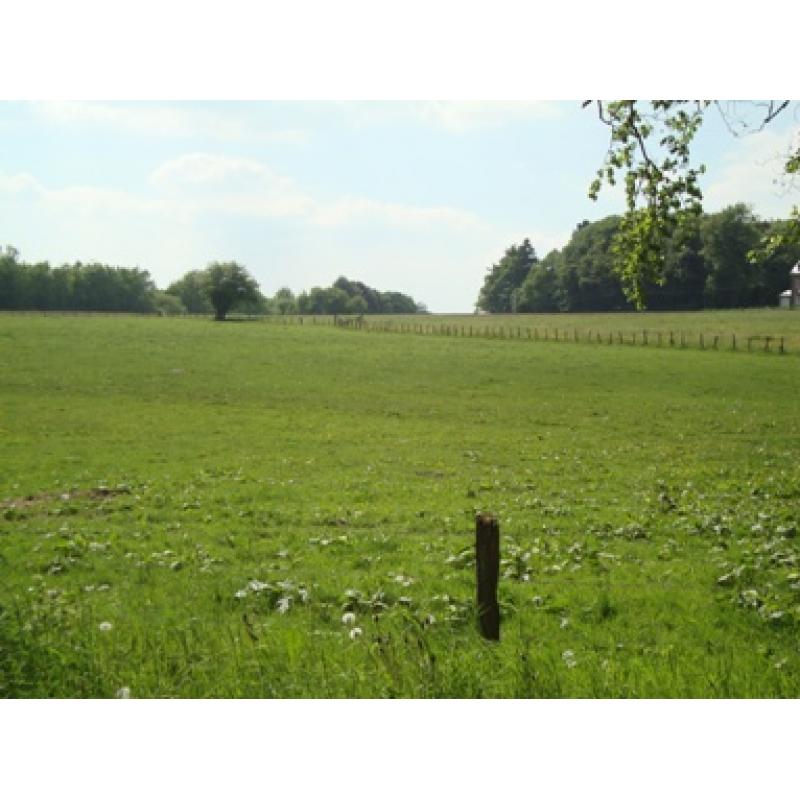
(486, 330)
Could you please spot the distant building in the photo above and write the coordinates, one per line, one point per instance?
(791, 297)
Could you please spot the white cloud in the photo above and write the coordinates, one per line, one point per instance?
(171, 121)
(349, 209)
(452, 116)
(202, 206)
(749, 174)
(205, 181)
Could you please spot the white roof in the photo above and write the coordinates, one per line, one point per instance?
(787, 293)
(795, 269)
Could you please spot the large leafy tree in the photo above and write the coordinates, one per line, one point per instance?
(283, 302)
(587, 277)
(499, 291)
(228, 285)
(727, 238)
(650, 151)
(191, 291)
(354, 297)
(541, 290)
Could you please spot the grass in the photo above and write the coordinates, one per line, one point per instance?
(718, 329)
(190, 509)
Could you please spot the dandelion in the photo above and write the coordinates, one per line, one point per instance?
(123, 693)
(349, 618)
(355, 633)
(569, 658)
(105, 626)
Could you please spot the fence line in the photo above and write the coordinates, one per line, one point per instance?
(671, 339)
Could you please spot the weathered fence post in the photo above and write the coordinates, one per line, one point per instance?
(487, 567)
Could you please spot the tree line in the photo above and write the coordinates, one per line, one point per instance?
(218, 289)
(707, 264)
(650, 155)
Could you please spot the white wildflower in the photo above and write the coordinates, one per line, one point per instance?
(283, 604)
(349, 618)
(241, 594)
(429, 620)
(355, 633)
(123, 693)
(105, 626)
(569, 658)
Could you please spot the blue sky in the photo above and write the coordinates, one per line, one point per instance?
(415, 197)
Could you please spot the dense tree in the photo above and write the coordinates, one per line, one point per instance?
(73, 287)
(705, 265)
(283, 302)
(353, 289)
(650, 147)
(353, 297)
(498, 294)
(167, 304)
(322, 301)
(541, 290)
(191, 291)
(587, 278)
(397, 303)
(228, 285)
(220, 288)
(727, 238)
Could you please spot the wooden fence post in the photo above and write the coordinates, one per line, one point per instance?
(487, 568)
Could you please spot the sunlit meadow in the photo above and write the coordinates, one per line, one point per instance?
(196, 509)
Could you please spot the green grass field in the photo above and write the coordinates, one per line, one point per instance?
(767, 328)
(191, 509)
